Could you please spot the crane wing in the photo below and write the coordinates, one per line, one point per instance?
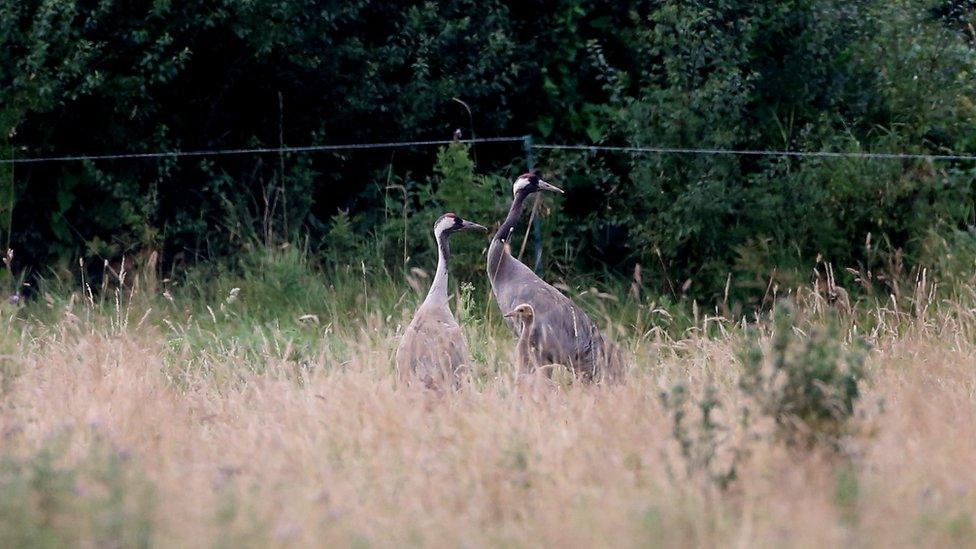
(563, 332)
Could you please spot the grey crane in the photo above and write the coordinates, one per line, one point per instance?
(432, 348)
(562, 332)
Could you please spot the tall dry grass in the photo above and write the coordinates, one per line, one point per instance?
(132, 427)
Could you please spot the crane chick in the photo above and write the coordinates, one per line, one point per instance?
(526, 357)
(529, 376)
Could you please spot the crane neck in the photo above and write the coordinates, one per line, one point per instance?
(499, 242)
(438, 289)
(514, 213)
(526, 358)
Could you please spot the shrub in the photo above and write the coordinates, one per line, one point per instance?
(806, 384)
(413, 206)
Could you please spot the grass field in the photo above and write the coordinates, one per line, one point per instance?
(200, 415)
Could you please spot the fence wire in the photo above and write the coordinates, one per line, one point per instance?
(258, 150)
(757, 152)
(527, 142)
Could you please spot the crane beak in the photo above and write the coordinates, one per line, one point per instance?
(468, 225)
(510, 314)
(543, 186)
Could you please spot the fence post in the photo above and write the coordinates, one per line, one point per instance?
(536, 226)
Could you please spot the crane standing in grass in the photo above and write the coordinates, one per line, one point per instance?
(432, 348)
(561, 332)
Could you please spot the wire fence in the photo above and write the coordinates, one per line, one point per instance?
(756, 152)
(526, 141)
(258, 150)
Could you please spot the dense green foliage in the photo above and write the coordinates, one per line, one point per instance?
(107, 76)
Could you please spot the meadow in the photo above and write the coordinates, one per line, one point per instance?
(261, 408)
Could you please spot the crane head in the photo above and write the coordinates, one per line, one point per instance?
(452, 223)
(523, 312)
(529, 183)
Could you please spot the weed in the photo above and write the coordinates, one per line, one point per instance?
(700, 436)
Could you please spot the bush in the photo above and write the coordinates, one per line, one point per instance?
(412, 207)
(803, 75)
(806, 384)
(803, 385)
